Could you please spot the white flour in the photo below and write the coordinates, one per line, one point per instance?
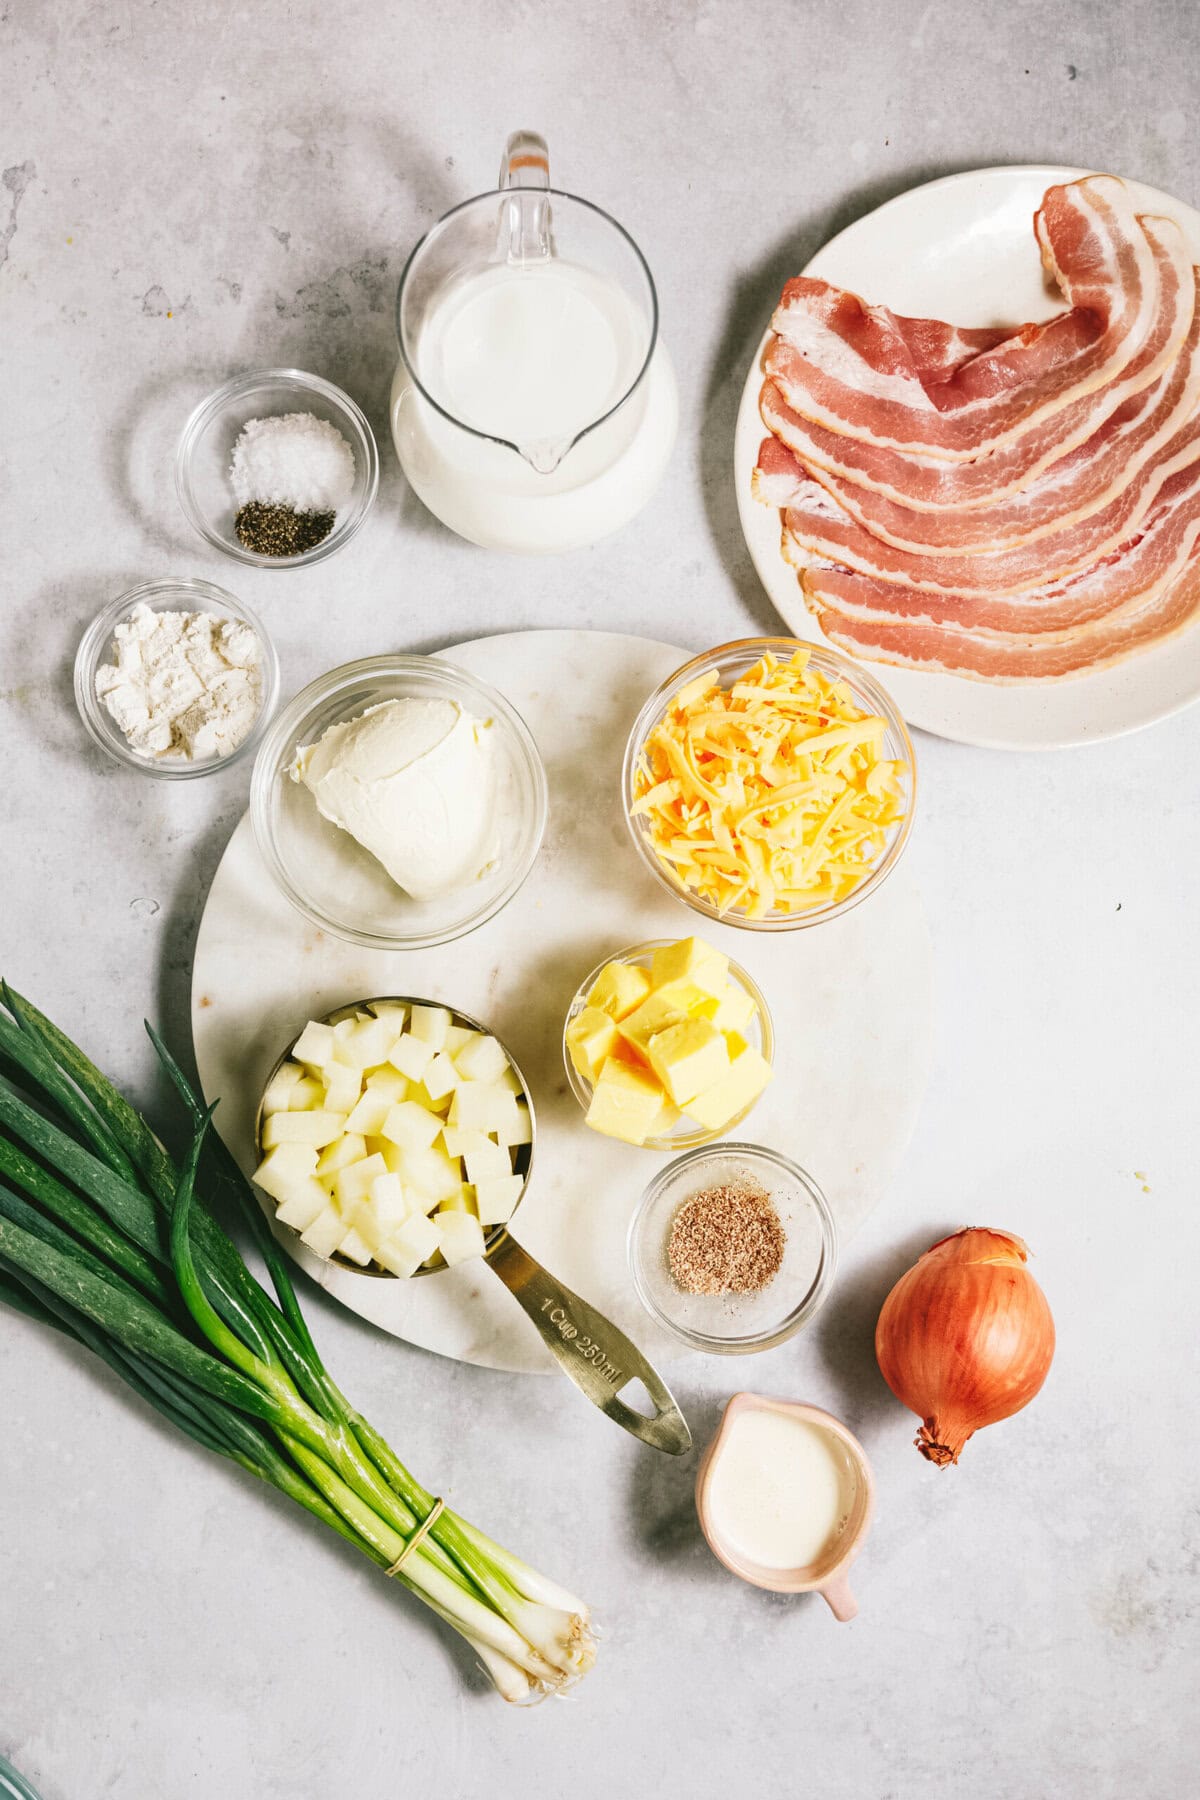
(186, 685)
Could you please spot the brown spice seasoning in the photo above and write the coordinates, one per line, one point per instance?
(726, 1240)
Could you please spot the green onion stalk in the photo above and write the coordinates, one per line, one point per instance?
(106, 1238)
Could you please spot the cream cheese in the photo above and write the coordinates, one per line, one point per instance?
(413, 782)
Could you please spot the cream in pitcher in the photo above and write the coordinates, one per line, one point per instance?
(533, 407)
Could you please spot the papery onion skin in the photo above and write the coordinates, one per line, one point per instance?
(965, 1338)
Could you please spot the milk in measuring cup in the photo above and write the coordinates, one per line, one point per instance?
(534, 355)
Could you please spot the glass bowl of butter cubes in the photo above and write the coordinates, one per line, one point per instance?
(395, 1137)
(667, 1045)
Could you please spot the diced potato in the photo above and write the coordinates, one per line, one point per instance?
(315, 1045)
(302, 1204)
(429, 1024)
(281, 1168)
(456, 1037)
(518, 1128)
(306, 1095)
(495, 1199)
(482, 1059)
(625, 1102)
(388, 1081)
(280, 1086)
(441, 1077)
(463, 1201)
(431, 1173)
(344, 1029)
(619, 988)
(482, 1106)
(392, 1154)
(325, 1233)
(690, 960)
(416, 1237)
(748, 1075)
(688, 1058)
(395, 1014)
(315, 1128)
(410, 1125)
(356, 1248)
(591, 1039)
(345, 1150)
(460, 1236)
(351, 1183)
(418, 1092)
(387, 1204)
(411, 1056)
(369, 1114)
(397, 1260)
(458, 1140)
(368, 1044)
(487, 1162)
(342, 1087)
(511, 1080)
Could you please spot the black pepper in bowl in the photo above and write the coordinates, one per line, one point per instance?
(279, 530)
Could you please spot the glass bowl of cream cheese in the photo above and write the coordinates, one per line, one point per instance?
(399, 802)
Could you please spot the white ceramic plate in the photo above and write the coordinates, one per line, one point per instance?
(963, 249)
(851, 1001)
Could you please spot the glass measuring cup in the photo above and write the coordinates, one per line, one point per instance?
(533, 407)
(589, 1348)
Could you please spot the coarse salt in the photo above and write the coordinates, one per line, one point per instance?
(294, 459)
(182, 685)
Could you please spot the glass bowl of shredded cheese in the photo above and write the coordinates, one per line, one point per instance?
(770, 784)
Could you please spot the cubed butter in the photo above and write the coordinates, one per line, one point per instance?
(747, 1076)
(656, 1012)
(591, 1040)
(619, 988)
(733, 1011)
(625, 1102)
(691, 961)
(688, 1058)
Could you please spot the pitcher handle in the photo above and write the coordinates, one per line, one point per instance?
(598, 1357)
(525, 218)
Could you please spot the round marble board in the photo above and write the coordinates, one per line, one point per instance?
(962, 248)
(851, 1001)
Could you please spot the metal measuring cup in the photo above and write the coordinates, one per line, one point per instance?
(588, 1347)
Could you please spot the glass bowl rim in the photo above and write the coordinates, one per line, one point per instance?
(818, 1291)
(202, 416)
(699, 1136)
(98, 722)
(497, 1233)
(844, 668)
(286, 725)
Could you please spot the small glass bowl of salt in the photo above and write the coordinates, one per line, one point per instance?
(176, 678)
(270, 444)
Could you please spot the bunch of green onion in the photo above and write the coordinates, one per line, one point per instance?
(104, 1237)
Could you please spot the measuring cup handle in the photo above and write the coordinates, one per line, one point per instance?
(525, 217)
(599, 1359)
(526, 161)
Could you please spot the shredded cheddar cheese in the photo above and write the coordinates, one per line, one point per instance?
(772, 795)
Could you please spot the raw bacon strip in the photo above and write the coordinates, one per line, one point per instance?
(1015, 658)
(1132, 578)
(818, 527)
(1079, 482)
(852, 368)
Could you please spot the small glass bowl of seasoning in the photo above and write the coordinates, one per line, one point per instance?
(277, 468)
(732, 1248)
(176, 678)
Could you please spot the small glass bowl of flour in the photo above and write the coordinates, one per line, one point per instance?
(176, 678)
(272, 442)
